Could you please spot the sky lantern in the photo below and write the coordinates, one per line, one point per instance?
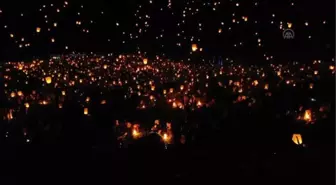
(86, 111)
(266, 87)
(13, 95)
(307, 116)
(297, 139)
(38, 29)
(52, 40)
(194, 47)
(289, 25)
(219, 30)
(331, 68)
(311, 86)
(145, 61)
(26, 105)
(48, 80)
(182, 87)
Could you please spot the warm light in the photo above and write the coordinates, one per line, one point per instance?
(331, 67)
(105, 66)
(199, 103)
(311, 86)
(38, 29)
(297, 139)
(164, 91)
(145, 61)
(182, 87)
(63, 93)
(174, 105)
(103, 102)
(307, 116)
(86, 111)
(266, 87)
(165, 137)
(20, 93)
(48, 80)
(289, 25)
(194, 47)
(13, 95)
(60, 106)
(26, 105)
(135, 133)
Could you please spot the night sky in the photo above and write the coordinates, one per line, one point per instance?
(247, 31)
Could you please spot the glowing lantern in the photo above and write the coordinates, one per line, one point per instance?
(60, 106)
(315, 72)
(194, 47)
(153, 88)
(171, 90)
(199, 103)
(174, 105)
(38, 29)
(331, 68)
(311, 86)
(63, 93)
(103, 102)
(307, 116)
(87, 99)
(11, 35)
(289, 25)
(297, 139)
(182, 87)
(105, 66)
(48, 80)
(53, 40)
(86, 111)
(20, 93)
(145, 61)
(13, 95)
(266, 87)
(165, 137)
(26, 105)
(255, 82)
(164, 91)
(219, 30)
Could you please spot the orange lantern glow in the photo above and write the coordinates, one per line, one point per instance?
(266, 87)
(194, 47)
(86, 111)
(297, 139)
(13, 95)
(145, 61)
(307, 116)
(48, 80)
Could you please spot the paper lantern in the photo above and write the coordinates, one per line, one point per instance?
(297, 139)
(86, 111)
(26, 105)
(266, 87)
(307, 116)
(38, 29)
(20, 93)
(145, 61)
(13, 95)
(48, 80)
(194, 47)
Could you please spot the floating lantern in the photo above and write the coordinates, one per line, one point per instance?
(20, 93)
(86, 111)
(266, 87)
(297, 139)
(307, 116)
(145, 61)
(27, 105)
(48, 80)
(38, 29)
(311, 86)
(13, 95)
(194, 47)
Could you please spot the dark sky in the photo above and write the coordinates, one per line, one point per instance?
(105, 36)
